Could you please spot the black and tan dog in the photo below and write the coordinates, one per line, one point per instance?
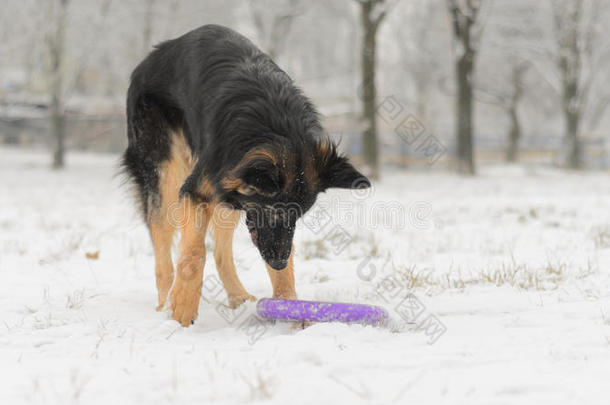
(215, 128)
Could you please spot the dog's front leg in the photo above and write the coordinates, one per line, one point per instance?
(186, 290)
(283, 280)
(283, 285)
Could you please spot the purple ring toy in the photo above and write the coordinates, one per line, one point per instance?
(317, 311)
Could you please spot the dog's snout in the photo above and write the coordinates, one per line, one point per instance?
(278, 258)
(278, 264)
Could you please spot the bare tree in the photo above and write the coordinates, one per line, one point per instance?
(273, 22)
(505, 90)
(505, 55)
(56, 47)
(149, 17)
(466, 36)
(372, 14)
(514, 131)
(578, 60)
(173, 8)
(420, 45)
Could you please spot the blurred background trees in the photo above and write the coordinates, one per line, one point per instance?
(56, 41)
(581, 50)
(467, 29)
(372, 14)
(492, 81)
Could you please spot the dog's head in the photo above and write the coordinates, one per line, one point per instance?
(277, 185)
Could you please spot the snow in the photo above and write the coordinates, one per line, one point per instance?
(513, 264)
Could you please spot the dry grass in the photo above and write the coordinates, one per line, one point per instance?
(76, 300)
(260, 388)
(314, 249)
(601, 237)
(548, 277)
(413, 277)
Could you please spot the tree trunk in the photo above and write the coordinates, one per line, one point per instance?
(464, 71)
(575, 150)
(568, 26)
(404, 155)
(571, 114)
(369, 93)
(464, 17)
(148, 26)
(514, 133)
(56, 48)
(513, 136)
(57, 131)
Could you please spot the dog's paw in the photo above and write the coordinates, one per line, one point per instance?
(184, 303)
(162, 302)
(235, 300)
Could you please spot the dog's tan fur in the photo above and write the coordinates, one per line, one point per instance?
(320, 156)
(283, 280)
(186, 290)
(192, 219)
(235, 184)
(164, 221)
(224, 221)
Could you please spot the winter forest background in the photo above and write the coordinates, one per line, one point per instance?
(487, 247)
(527, 79)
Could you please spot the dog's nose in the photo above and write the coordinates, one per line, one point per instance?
(278, 264)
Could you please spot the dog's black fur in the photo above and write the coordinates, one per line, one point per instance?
(229, 99)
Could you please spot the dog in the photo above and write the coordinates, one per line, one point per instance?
(215, 128)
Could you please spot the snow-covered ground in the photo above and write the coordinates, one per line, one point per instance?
(506, 275)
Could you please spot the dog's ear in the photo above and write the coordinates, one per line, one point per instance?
(256, 176)
(334, 170)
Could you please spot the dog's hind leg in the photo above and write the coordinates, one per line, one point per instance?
(167, 217)
(164, 220)
(224, 221)
(150, 162)
(162, 235)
